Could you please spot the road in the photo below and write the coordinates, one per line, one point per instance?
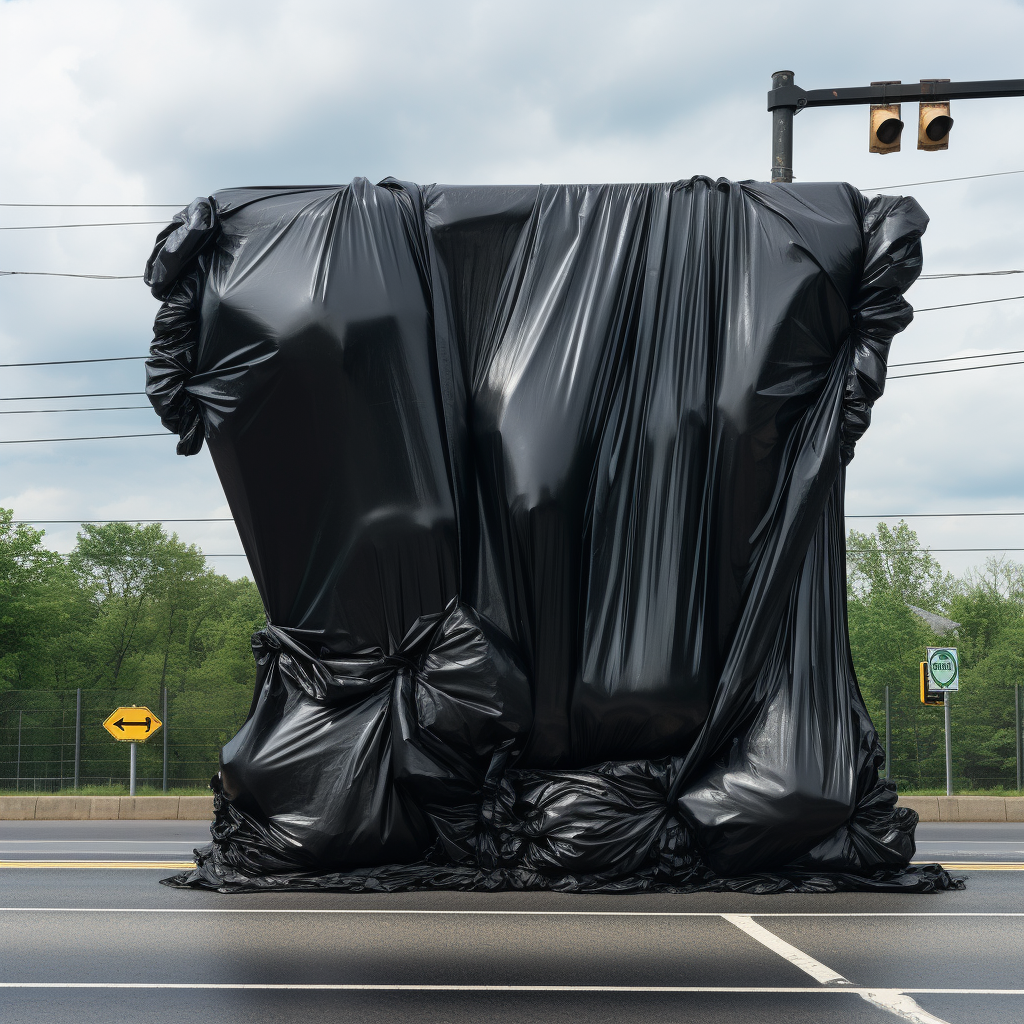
(87, 944)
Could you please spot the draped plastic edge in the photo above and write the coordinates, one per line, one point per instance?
(893, 226)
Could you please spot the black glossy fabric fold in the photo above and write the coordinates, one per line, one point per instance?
(542, 488)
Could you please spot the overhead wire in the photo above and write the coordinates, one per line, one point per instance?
(93, 394)
(940, 181)
(96, 437)
(91, 224)
(52, 273)
(97, 408)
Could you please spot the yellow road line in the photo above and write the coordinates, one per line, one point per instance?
(979, 865)
(164, 865)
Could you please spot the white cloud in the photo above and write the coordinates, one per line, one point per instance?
(158, 102)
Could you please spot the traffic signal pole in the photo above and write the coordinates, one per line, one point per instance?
(786, 99)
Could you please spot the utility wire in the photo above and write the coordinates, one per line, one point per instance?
(980, 302)
(969, 273)
(94, 224)
(952, 359)
(98, 206)
(955, 369)
(228, 519)
(50, 273)
(929, 515)
(68, 362)
(94, 394)
(907, 551)
(79, 522)
(99, 408)
(940, 181)
(100, 437)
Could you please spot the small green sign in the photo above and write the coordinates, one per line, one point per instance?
(943, 668)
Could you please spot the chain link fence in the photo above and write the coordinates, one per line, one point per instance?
(54, 739)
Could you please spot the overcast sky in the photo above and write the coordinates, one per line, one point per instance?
(127, 102)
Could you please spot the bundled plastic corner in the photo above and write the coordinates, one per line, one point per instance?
(543, 491)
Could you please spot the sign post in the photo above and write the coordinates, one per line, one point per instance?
(132, 725)
(943, 665)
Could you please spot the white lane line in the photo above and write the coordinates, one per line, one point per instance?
(897, 1002)
(639, 989)
(807, 964)
(903, 915)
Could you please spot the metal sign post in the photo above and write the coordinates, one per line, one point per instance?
(943, 665)
(132, 725)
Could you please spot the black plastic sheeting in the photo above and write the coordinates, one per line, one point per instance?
(543, 491)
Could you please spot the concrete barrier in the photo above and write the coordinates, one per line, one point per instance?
(966, 808)
(67, 807)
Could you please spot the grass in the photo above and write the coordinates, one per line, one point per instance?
(996, 791)
(112, 791)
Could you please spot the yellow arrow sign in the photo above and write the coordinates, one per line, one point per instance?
(132, 724)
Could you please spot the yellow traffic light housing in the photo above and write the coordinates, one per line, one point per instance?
(885, 127)
(929, 697)
(933, 126)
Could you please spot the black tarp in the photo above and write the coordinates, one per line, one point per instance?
(542, 488)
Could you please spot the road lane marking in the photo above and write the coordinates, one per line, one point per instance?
(904, 915)
(639, 989)
(897, 1002)
(164, 865)
(807, 964)
(978, 865)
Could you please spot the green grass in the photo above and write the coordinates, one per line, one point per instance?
(112, 791)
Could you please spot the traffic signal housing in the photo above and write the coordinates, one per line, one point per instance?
(933, 123)
(885, 126)
(929, 697)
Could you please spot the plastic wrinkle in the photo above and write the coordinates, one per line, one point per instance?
(542, 487)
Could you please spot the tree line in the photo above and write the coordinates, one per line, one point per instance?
(134, 609)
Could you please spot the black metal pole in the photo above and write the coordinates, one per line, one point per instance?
(1017, 738)
(782, 133)
(78, 734)
(888, 737)
(166, 727)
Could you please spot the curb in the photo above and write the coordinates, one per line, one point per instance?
(106, 808)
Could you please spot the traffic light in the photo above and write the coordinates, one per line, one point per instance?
(932, 697)
(885, 127)
(933, 123)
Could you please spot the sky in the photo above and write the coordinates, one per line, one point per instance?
(156, 103)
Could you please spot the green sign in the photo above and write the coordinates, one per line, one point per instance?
(943, 668)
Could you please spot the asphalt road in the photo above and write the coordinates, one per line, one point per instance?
(97, 944)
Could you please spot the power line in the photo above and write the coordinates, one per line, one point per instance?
(95, 224)
(956, 369)
(99, 437)
(951, 359)
(94, 394)
(940, 181)
(905, 551)
(980, 302)
(929, 515)
(49, 273)
(969, 273)
(79, 522)
(68, 362)
(99, 408)
(98, 206)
